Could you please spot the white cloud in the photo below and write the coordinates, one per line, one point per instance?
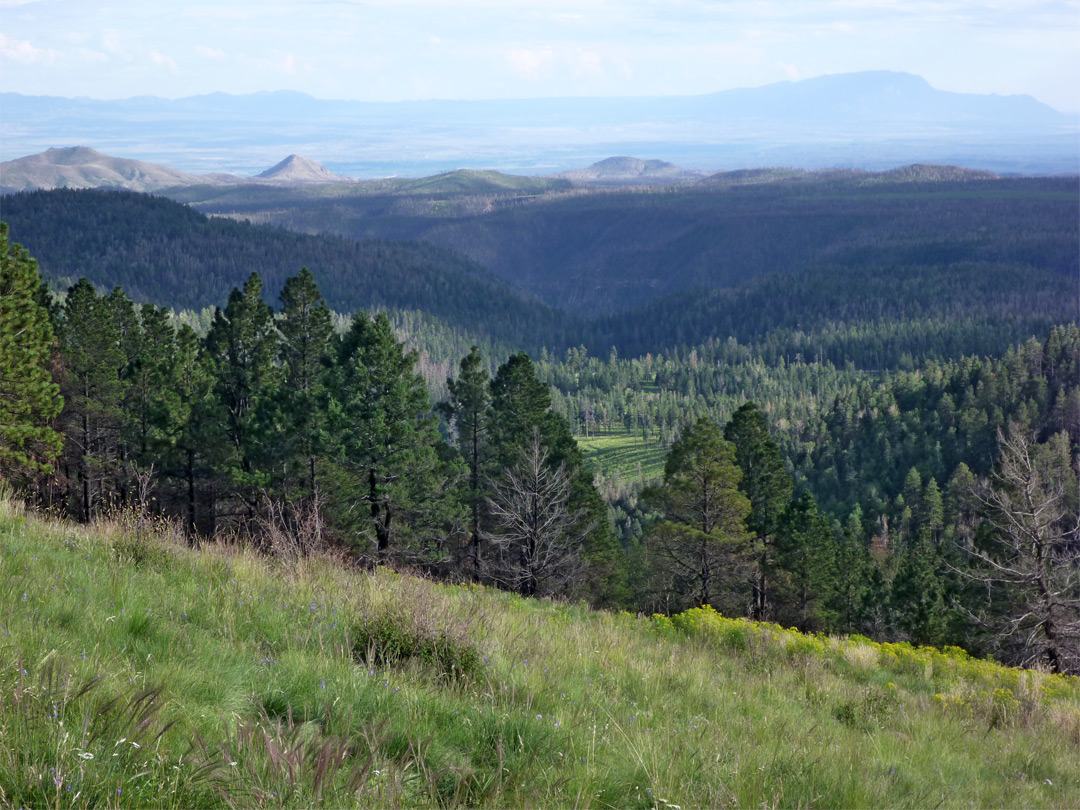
(288, 64)
(90, 55)
(111, 40)
(23, 52)
(791, 71)
(590, 62)
(530, 63)
(209, 53)
(159, 58)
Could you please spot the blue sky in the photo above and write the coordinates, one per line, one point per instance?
(389, 50)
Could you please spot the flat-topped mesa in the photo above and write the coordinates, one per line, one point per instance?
(622, 170)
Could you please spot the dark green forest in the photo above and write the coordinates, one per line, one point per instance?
(596, 252)
(878, 306)
(884, 443)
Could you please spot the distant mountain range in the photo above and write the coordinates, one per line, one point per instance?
(80, 167)
(875, 120)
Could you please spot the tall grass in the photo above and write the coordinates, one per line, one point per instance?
(135, 672)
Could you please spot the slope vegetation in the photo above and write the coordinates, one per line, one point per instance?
(136, 672)
(167, 253)
(606, 251)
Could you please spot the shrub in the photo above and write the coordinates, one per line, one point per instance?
(389, 640)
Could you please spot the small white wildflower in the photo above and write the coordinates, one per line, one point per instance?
(86, 755)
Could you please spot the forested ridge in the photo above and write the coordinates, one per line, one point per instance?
(159, 251)
(597, 252)
(909, 293)
(795, 490)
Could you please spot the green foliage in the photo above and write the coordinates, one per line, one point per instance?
(768, 486)
(387, 441)
(306, 352)
(168, 253)
(251, 665)
(388, 640)
(466, 410)
(702, 538)
(29, 398)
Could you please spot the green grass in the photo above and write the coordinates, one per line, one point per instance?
(623, 455)
(135, 672)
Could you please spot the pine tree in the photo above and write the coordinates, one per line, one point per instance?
(766, 482)
(241, 347)
(703, 536)
(853, 579)
(93, 397)
(806, 559)
(388, 442)
(307, 346)
(520, 408)
(29, 399)
(467, 411)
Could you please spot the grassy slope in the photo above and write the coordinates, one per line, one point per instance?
(564, 706)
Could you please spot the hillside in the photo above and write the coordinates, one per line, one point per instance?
(609, 251)
(80, 167)
(163, 252)
(135, 671)
(998, 274)
(624, 171)
(83, 167)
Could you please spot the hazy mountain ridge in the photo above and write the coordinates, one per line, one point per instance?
(81, 167)
(623, 170)
(874, 120)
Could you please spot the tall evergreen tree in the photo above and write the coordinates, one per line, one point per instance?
(307, 347)
(854, 580)
(702, 539)
(93, 397)
(29, 399)
(768, 486)
(241, 347)
(467, 411)
(806, 552)
(388, 441)
(194, 430)
(520, 409)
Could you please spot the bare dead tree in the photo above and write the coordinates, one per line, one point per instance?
(291, 532)
(1032, 562)
(536, 537)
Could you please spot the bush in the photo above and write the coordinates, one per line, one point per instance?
(388, 640)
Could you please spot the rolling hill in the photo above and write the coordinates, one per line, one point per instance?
(79, 167)
(612, 250)
(162, 252)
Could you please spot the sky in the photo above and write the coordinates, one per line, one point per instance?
(392, 50)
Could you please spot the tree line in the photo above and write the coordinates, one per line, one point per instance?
(275, 424)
